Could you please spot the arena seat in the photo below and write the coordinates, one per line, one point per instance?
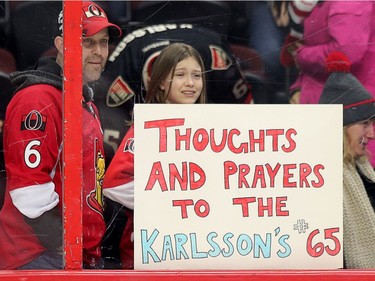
(7, 61)
(4, 23)
(7, 65)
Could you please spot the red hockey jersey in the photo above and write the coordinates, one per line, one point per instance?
(118, 186)
(33, 137)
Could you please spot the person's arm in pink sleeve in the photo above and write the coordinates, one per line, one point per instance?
(349, 29)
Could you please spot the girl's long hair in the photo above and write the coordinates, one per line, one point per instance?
(166, 62)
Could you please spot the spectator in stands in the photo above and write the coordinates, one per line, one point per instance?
(297, 11)
(346, 26)
(359, 177)
(124, 81)
(31, 218)
(268, 28)
(7, 65)
(177, 77)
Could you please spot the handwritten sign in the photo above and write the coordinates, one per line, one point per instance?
(238, 187)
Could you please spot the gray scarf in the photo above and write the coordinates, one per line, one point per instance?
(359, 218)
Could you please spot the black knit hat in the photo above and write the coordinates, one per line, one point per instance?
(343, 88)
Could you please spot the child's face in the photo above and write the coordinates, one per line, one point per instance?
(186, 84)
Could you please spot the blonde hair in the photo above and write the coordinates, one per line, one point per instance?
(349, 156)
(166, 62)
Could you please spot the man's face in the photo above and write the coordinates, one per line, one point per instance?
(94, 55)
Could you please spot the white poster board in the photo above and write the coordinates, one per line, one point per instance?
(238, 187)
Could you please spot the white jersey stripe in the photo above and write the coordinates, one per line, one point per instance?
(32, 201)
(123, 194)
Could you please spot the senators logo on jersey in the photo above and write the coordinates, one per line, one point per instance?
(95, 198)
(119, 92)
(220, 60)
(129, 146)
(147, 68)
(34, 121)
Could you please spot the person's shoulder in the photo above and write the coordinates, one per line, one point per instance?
(39, 91)
(37, 94)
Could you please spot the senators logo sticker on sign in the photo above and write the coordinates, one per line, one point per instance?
(220, 60)
(34, 121)
(119, 92)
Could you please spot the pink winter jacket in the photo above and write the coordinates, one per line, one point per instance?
(346, 26)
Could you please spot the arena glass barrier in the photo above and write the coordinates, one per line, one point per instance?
(72, 200)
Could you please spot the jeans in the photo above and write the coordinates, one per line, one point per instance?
(267, 39)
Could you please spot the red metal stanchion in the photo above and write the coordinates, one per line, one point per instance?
(72, 118)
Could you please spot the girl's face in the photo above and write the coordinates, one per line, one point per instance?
(186, 84)
(359, 135)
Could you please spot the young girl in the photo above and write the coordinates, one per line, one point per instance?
(359, 176)
(177, 77)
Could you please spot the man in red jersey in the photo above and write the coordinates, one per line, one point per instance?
(31, 218)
